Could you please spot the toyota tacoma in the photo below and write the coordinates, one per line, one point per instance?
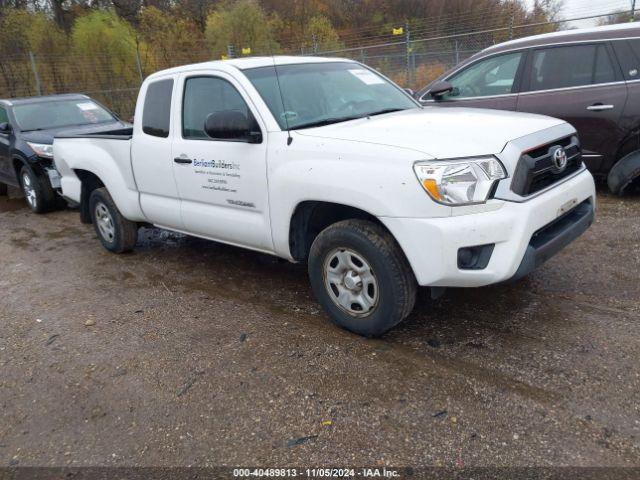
(325, 161)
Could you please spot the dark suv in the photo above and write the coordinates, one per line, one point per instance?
(590, 78)
(27, 128)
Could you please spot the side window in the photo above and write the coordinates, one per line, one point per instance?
(157, 108)
(492, 76)
(570, 66)
(628, 53)
(204, 96)
(4, 118)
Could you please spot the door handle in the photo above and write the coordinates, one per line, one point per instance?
(182, 160)
(599, 107)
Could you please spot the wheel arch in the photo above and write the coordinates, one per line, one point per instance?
(89, 182)
(310, 217)
(17, 161)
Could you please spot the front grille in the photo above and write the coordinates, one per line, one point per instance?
(536, 170)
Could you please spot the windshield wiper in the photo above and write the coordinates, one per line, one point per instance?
(326, 121)
(386, 110)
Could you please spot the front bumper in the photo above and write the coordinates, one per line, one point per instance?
(431, 245)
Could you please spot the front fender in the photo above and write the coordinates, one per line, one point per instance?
(376, 179)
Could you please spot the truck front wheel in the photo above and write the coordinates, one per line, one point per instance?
(116, 233)
(361, 277)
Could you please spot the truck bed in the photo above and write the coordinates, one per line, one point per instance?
(105, 154)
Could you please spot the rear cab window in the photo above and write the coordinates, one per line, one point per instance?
(571, 66)
(156, 115)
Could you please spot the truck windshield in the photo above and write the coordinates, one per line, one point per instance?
(317, 94)
(60, 113)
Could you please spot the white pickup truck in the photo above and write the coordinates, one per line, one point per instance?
(328, 162)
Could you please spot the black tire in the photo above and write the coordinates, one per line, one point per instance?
(395, 294)
(3, 189)
(40, 197)
(123, 234)
(624, 177)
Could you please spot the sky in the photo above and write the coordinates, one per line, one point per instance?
(585, 8)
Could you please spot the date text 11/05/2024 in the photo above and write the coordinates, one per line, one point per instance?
(317, 472)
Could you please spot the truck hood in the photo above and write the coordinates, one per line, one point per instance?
(439, 132)
(46, 136)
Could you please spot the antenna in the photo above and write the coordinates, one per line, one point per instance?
(284, 110)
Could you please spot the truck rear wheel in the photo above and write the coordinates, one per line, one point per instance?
(38, 193)
(361, 277)
(3, 189)
(116, 233)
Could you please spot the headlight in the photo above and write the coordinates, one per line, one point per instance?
(460, 182)
(41, 149)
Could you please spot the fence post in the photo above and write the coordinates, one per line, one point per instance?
(139, 65)
(408, 53)
(35, 72)
(362, 57)
(457, 52)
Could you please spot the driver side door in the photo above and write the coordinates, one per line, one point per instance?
(222, 183)
(490, 82)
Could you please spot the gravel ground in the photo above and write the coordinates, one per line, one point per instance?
(188, 352)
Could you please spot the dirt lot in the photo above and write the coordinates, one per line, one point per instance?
(187, 352)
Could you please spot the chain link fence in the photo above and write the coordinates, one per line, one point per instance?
(410, 58)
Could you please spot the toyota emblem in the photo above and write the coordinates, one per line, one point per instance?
(559, 159)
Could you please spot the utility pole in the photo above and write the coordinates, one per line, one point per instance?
(35, 73)
(633, 11)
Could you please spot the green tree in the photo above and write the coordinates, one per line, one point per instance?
(49, 44)
(322, 34)
(170, 39)
(106, 47)
(242, 24)
(15, 76)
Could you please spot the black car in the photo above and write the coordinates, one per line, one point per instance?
(27, 128)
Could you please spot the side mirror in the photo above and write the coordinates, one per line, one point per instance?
(5, 128)
(231, 125)
(440, 88)
(410, 91)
